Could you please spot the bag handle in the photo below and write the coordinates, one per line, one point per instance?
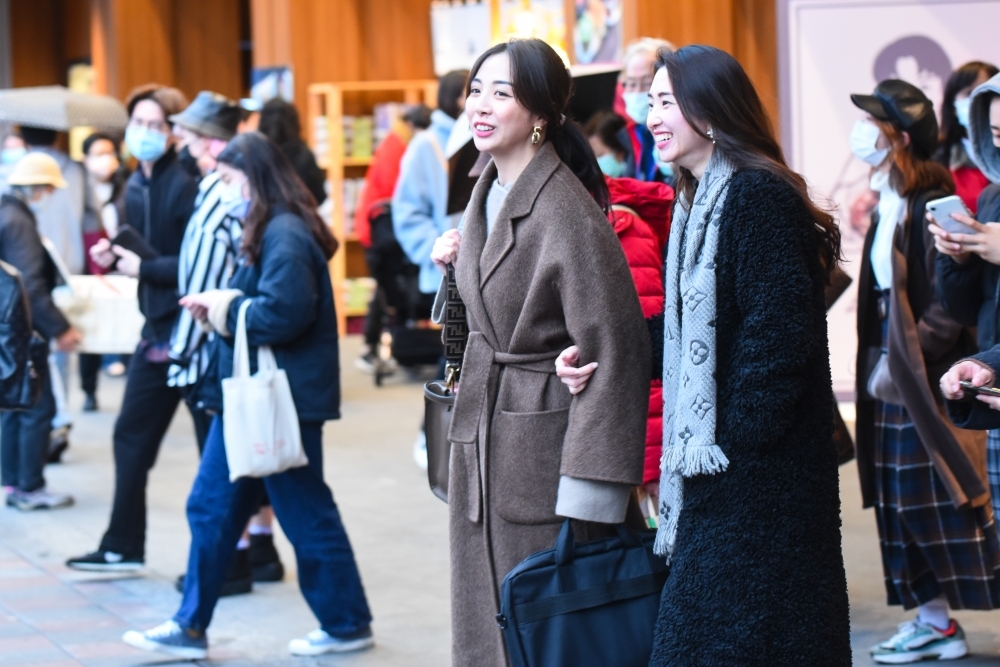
(241, 351)
(456, 329)
(566, 540)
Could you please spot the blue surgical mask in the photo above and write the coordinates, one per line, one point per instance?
(39, 205)
(612, 166)
(12, 155)
(666, 168)
(962, 112)
(637, 106)
(233, 202)
(145, 144)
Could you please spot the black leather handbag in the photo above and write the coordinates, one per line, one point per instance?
(23, 353)
(584, 604)
(439, 396)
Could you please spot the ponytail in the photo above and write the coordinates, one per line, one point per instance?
(543, 86)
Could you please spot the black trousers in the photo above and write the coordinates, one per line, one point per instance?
(147, 409)
(90, 366)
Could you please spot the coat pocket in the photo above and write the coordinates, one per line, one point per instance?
(526, 453)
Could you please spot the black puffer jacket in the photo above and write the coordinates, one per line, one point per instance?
(757, 578)
(21, 247)
(159, 208)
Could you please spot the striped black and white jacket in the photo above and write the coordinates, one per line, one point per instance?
(207, 259)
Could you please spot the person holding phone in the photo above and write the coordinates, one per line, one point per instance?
(937, 535)
(968, 262)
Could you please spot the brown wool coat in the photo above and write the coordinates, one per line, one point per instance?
(551, 274)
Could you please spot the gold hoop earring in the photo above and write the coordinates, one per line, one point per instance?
(536, 136)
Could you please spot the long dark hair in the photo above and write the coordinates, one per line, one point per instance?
(279, 122)
(273, 182)
(542, 85)
(711, 88)
(952, 131)
(911, 173)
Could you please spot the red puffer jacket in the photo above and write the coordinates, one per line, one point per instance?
(640, 213)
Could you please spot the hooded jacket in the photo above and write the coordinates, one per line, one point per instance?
(640, 214)
(970, 292)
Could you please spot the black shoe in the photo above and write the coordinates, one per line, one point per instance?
(90, 403)
(264, 560)
(239, 579)
(58, 444)
(106, 561)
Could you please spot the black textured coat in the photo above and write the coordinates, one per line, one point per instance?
(758, 575)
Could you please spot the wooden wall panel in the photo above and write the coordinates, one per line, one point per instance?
(75, 26)
(397, 39)
(207, 46)
(35, 49)
(326, 42)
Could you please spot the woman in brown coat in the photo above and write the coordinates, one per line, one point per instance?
(539, 270)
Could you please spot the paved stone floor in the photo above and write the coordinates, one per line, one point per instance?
(53, 617)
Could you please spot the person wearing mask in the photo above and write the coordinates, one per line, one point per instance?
(207, 259)
(955, 147)
(604, 133)
(921, 474)
(382, 252)
(11, 150)
(159, 200)
(967, 264)
(748, 446)
(283, 282)
(24, 435)
(524, 260)
(642, 157)
(106, 179)
(279, 122)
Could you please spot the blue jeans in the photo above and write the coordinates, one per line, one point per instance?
(218, 511)
(24, 442)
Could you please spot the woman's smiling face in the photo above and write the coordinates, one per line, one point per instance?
(499, 123)
(676, 140)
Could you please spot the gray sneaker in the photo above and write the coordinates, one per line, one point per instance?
(916, 642)
(319, 642)
(170, 638)
(40, 499)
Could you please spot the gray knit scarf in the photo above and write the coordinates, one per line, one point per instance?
(689, 396)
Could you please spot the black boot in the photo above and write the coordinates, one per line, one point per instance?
(239, 579)
(90, 403)
(264, 560)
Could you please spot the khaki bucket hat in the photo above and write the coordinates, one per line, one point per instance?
(37, 169)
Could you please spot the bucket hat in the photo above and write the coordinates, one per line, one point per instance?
(37, 168)
(905, 106)
(211, 115)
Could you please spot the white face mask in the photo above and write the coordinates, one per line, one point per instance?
(962, 112)
(102, 167)
(864, 141)
(232, 200)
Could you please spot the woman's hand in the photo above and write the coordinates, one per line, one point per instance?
(946, 244)
(445, 250)
(983, 240)
(978, 374)
(574, 378)
(198, 304)
(101, 253)
(128, 261)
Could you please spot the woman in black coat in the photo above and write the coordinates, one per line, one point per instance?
(749, 496)
(283, 283)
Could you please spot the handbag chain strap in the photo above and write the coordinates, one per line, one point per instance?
(456, 331)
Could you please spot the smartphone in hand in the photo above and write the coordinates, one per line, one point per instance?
(973, 389)
(941, 210)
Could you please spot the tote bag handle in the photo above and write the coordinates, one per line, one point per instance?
(241, 349)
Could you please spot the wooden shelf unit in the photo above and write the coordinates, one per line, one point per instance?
(327, 100)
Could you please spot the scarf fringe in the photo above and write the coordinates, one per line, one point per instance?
(691, 461)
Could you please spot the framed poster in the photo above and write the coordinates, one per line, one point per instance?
(460, 31)
(829, 49)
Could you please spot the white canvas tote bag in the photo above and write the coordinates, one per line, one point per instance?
(259, 420)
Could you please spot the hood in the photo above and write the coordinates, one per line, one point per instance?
(651, 201)
(984, 153)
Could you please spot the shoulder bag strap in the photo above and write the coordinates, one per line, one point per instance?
(456, 329)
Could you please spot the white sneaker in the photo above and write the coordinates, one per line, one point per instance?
(41, 499)
(319, 642)
(169, 638)
(420, 450)
(916, 641)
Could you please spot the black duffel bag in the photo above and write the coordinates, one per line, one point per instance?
(584, 604)
(23, 353)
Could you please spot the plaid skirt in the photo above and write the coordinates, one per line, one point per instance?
(929, 548)
(993, 467)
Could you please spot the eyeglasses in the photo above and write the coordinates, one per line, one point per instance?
(154, 125)
(634, 85)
